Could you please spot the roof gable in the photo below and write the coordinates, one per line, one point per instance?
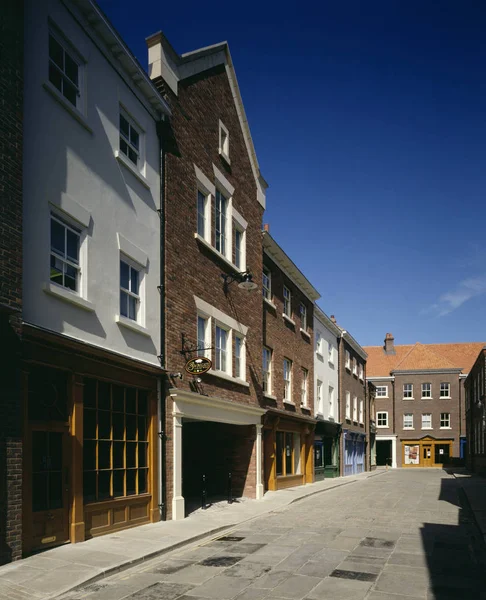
(422, 357)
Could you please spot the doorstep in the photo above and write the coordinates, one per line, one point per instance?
(54, 572)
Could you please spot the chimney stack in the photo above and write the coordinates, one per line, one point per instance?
(266, 227)
(389, 344)
(333, 318)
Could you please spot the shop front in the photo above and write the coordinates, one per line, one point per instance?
(90, 430)
(354, 452)
(288, 450)
(426, 452)
(326, 450)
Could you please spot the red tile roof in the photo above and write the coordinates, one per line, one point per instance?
(422, 356)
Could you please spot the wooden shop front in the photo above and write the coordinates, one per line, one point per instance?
(288, 451)
(426, 452)
(90, 451)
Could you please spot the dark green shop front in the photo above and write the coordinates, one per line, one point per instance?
(326, 450)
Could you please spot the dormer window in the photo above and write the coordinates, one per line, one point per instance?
(224, 142)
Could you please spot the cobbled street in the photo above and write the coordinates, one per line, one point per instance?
(399, 534)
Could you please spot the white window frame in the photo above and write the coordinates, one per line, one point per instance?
(355, 409)
(319, 399)
(426, 392)
(330, 398)
(224, 142)
(347, 360)
(132, 266)
(225, 353)
(239, 260)
(287, 381)
(74, 55)
(303, 316)
(241, 359)
(427, 415)
(409, 421)
(205, 350)
(445, 420)
(407, 391)
(361, 414)
(384, 419)
(238, 224)
(140, 164)
(267, 289)
(361, 372)
(65, 260)
(206, 219)
(380, 394)
(304, 395)
(222, 236)
(330, 353)
(442, 385)
(287, 302)
(267, 374)
(319, 341)
(348, 405)
(355, 366)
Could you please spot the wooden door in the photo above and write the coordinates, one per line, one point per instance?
(427, 455)
(49, 458)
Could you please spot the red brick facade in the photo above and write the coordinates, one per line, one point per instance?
(11, 99)
(193, 269)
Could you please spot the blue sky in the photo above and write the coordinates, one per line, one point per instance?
(369, 122)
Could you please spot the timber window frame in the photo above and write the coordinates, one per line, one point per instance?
(348, 405)
(445, 420)
(267, 370)
(287, 453)
(267, 284)
(287, 381)
(427, 421)
(445, 390)
(381, 391)
(408, 421)
(66, 70)
(304, 392)
(382, 419)
(408, 391)
(131, 277)
(65, 254)
(426, 391)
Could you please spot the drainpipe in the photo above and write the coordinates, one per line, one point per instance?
(161, 127)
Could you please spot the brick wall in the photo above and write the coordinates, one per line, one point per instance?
(475, 389)
(287, 341)
(353, 384)
(11, 97)
(192, 268)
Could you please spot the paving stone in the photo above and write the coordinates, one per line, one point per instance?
(245, 548)
(409, 560)
(271, 580)
(253, 594)
(340, 589)
(169, 566)
(317, 568)
(220, 561)
(194, 574)
(385, 596)
(295, 587)
(344, 543)
(247, 570)
(220, 588)
(351, 565)
(395, 582)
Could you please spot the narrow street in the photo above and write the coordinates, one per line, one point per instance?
(400, 534)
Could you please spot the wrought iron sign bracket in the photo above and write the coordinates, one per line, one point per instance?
(188, 347)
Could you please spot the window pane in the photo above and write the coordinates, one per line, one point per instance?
(104, 458)
(131, 400)
(118, 426)
(131, 479)
(124, 275)
(118, 455)
(132, 155)
(142, 402)
(124, 304)
(142, 481)
(57, 237)
(118, 483)
(69, 92)
(70, 277)
(134, 280)
(124, 127)
(104, 481)
(89, 426)
(132, 308)
(288, 454)
(200, 214)
(89, 455)
(280, 448)
(56, 52)
(142, 429)
(134, 137)
(104, 425)
(131, 427)
(89, 486)
(56, 270)
(104, 390)
(118, 398)
(72, 246)
(142, 454)
(131, 455)
(123, 146)
(71, 69)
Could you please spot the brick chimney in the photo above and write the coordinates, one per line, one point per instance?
(266, 227)
(389, 344)
(333, 318)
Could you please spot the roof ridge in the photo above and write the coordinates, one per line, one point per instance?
(406, 356)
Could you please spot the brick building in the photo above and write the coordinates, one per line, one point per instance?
(11, 144)
(475, 387)
(288, 369)
(420, 408)
(353, 405)
(214, 203)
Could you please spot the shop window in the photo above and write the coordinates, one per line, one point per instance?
(48, 394)
(288, 453)
(319, 461)
(115, 441)
(441, 453)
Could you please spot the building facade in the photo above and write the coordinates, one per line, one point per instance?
(288, 370)
(11, 144)
(91, 267)
(354, 412)
(214, 202)
(326, 396)
(475, 388)
(420, 408)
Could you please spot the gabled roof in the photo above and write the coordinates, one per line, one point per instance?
(352, 342)
(326, 321)
(172, 67)
(277, 254)
(422, 357)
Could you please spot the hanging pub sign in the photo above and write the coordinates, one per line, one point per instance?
(198, 365)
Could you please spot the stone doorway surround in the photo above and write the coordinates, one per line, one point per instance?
(393, 440)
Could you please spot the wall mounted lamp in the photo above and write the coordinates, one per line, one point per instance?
(245, 281)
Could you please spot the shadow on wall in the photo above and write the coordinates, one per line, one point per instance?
(454, 553)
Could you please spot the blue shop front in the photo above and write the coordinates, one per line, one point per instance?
(354, 444)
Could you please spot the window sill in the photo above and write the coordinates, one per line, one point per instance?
(319, 355)
(382, 397)
(305, 333)
(405, 399)
(445, 427)
(382, 426)
(427, 428)
(217, 253)
(270, 303)
(224, 156)
(287, 318)
(121, 158)
(330, 363)
(304, 406)
(348, 369)
(426, 398)
(72, 110)
(289, 402)
(68, 296)
(133, 325)
(445, 397)
(409, 429)
(226, 377)
(269, 396)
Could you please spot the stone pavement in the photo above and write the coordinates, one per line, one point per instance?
(474, 487)
(401, 535)
(55, 571)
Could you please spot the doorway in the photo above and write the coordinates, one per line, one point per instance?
(383, 453)
(427, 455)
(49, 483)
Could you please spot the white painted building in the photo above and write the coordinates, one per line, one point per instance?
(92, 239)
(326, 394)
